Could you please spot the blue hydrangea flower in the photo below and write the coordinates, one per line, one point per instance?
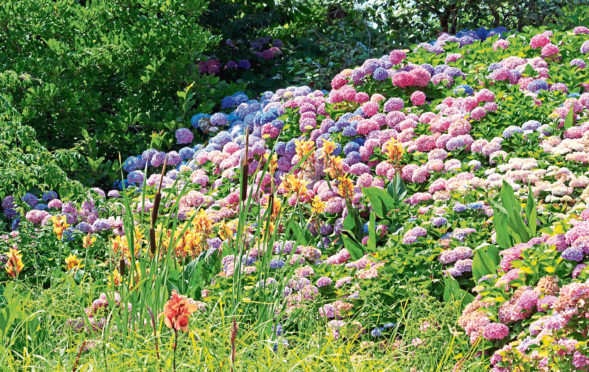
(459, 208)
(511, 130)
(136, 177)
(353, 158)
(377, 332)
(531, 125)
(10, 213)
(49, 196)
(228, 102)
(439, 221)
(349, 131)
(15, 223)
(380, 74)
(538, 84)
(574, 253)
(68, 234)
(197, 118)
(475, 205)
(463, 89)
(41, 207)
(186, 153)
(276, 263)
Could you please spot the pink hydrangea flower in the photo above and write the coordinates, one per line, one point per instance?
(495, 331)
(418, 98)
(397, 56)
(549, 50)
(539, 40)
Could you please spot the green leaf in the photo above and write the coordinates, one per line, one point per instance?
(531, 212)
(483, 263)
(396, 188)
(380, 201)
(452, 291)
(352, 245)
(349, 222)
(529, 70)
(569, 121)
(372, 233)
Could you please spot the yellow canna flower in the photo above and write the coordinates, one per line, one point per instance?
(14, 265)
(304, 147)
(394, 151)
(73, 262)
(317, 205)
(59, 225)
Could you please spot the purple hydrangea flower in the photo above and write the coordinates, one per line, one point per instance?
(30, 199)
(184, 136)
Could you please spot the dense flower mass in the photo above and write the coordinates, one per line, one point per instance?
(432, 162)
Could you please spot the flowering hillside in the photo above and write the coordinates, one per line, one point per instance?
(430, 210)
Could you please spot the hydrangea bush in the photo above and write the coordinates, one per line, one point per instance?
(459, 165)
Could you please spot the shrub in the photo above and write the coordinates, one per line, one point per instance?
(98, 77)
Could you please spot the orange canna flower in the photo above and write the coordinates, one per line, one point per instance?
(88, 240)
(295, 184)
(59, 225)
(177, 310)
(115, 278)
(334, 166)
(346, 188)
(327, 149)
(73, 262)
(305, 147)
(202, 223)
(14, 265)
(226, 230)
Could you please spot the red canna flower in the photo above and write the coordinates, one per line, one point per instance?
(177, 310)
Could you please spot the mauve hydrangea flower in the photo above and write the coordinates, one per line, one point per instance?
(403, 79)
(55, 204)
(397, 56)
(393, 104)
(380, 74)
(158, 159)
(439, 221)
(136, 177)
(8, 202)
(495, 331)
(511, 130)
(549, 50)
(114, 194)
(539, 40)
(324, 282)
(585, 47)
(579, 63)
(174, 158)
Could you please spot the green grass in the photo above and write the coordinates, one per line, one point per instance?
(39, 339)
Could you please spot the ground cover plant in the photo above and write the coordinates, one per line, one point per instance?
(429, 212)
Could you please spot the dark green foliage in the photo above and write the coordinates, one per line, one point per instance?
(24, 163)
(102, 78)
